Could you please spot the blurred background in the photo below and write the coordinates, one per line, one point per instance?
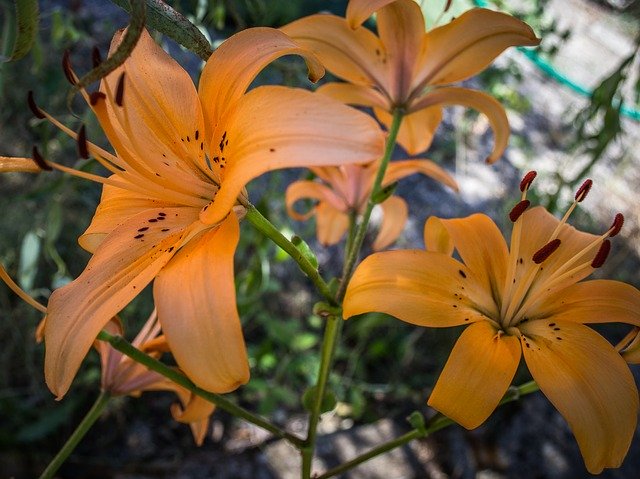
(574, 111)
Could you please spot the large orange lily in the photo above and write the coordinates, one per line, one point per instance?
(404, 67)
(170, 209)
(524, 300)
(122, 376)
(345, 191)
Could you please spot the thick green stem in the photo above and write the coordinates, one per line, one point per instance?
(353, 253)
(122, 345)
(437, 422)
(84, 426)
(331, 333)
(263, 225)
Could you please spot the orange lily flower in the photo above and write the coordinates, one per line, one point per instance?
(346, 189)
(122, 376)
(404, 67)
(169, 211)
(523, 300)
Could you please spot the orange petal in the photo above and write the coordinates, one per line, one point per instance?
(277, 127)
(360, 95)
(11, 165)
(195, 411)
(477, 100)
(313, 191)
(436, 237)
(400, 169)
(359, 10)
(196, 301)
(596, 301)
(629, 347)
(467, 45)
(419, 287)
(121, 267)
(482, 248)
(477, 374)
(115, 207)
(394, 216)
(417, 128)
(357, 56)
(331, 225)
(589, 383)
(235, 64)
(401, 30)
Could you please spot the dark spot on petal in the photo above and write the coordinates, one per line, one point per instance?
(462, 273)
(143, 229)
(272, 150)
(153, 220)
(138, 236)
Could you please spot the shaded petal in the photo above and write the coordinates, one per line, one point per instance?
(629, 347)
(357, 56)
(476, 375)
(360, 10)
(331, 224)
(400, 169)
(277, 127)
(467, 45)
(9, 164)
(235, 64)
(482, 248)
(314, 191)
(115, 207)
(477, 100)
(361, 95)
(596, 301)
(196, 301)
(401, 30)
(419, 287)
(394, 216)
(195, 411)
(121, 267)
(589, 383)
(416, 130)
(436, 237)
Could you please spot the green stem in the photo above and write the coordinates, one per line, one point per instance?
(352, 254)
(263, 225)
(437, 422)
(84, 426)
(331, 333)
(122, 345)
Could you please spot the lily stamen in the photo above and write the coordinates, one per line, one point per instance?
(40, 161)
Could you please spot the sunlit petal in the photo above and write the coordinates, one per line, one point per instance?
(401, 169)
(235, 64)
(467, 45)
(122, 266)
(360, 95)
(357, 56)
(9, 164)
(589, 383)
(477, 100)
(394, 216)
(277, 127)
(359, 10)
(417, 287)
(196, 302)
(331, 224)
(310, 190)
(437, 238)
(417, 128)
(477, 374)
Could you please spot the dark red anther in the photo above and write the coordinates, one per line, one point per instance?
(546, 251)
(39, 160)
(447, 6)
(96, 57)
(95, 97)
(615, 228)
(66, 68)
(527, 180)
(83, 148)
(583, 191)
(601, 255)
(120, 90)
(518, 209)
(37, 112)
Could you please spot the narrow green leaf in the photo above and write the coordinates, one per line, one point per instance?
(302, 246)
(329, 400)
(28, 17)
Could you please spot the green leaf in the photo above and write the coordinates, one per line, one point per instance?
(27, 16)
(329, 400)
(416, 419)
(304, 341)
(29, 255)
(306, 251)
(384, 193)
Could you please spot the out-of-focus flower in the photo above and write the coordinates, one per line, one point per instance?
(524, 300)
